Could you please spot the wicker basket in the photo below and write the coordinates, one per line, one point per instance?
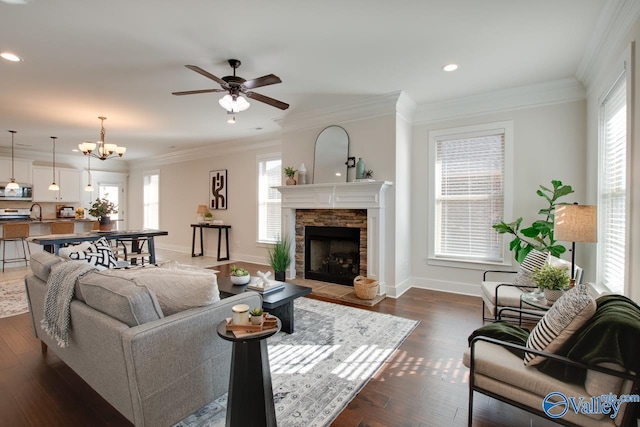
(365, 288)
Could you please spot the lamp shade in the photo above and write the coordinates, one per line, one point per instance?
(202, 209)
(576, 223)
(234, 104)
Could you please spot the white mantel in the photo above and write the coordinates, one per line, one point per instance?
(367, 195)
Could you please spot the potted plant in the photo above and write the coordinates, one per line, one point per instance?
(102, 209)
(290, 172)
(280, 258)
(239, 276)
(208, 217)
(552, 280)
(256, 316)
(538, 235)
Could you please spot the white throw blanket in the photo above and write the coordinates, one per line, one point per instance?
(57, 301)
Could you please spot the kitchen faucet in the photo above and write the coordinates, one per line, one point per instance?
(39, 210)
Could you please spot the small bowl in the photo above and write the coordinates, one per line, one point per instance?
(240, 280)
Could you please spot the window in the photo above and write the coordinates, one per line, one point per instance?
(612, 179)
(151, 205)
(469, 189)
(269, 175)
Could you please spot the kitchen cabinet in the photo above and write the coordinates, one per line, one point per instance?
(69, 181)
(22, 170)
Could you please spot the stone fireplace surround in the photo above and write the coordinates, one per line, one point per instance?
(341, 199)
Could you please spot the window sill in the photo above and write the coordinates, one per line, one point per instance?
(467, 264)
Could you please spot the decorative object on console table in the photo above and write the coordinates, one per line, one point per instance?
(576, 223)
(102, 209)
(208, 217)
(290, 173)
(280, 258)
(218, 189)
(552, 279)
(201, 211)
(360, 168)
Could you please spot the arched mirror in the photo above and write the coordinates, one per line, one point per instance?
(332, 151)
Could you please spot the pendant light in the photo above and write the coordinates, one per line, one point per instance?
(89, 187)
(12, 185)
(54, 186)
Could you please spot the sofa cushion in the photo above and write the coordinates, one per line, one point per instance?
(120, 298)
(534, 260)
(41, 263)
(98, 253)
(563, 319)
(177, 288)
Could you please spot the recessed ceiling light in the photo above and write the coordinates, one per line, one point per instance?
(10, 56)
(450, 67)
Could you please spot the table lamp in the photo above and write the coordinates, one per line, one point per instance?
(202, 209)
(575, 223)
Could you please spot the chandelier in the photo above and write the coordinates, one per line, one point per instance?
(104, 150)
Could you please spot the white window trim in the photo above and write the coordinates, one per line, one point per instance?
(624, 70)
(262, 158)
(467, 132)
(145, 174)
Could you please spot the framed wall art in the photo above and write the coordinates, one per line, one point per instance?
(218, 189)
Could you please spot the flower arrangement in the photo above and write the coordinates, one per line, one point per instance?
(102, 207)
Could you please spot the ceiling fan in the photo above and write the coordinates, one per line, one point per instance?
(235, 86)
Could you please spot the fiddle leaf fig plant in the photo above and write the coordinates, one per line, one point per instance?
(538, 235)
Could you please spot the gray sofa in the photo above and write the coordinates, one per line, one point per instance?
(153, 369)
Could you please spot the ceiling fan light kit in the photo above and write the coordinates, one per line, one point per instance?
(236, 86)
(105, 151)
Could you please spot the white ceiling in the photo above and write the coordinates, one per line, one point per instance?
(123, 58)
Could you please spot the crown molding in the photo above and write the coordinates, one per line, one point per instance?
(375, 106)
(406, 107)
(547, 93)
(215, 149)
(614, 24)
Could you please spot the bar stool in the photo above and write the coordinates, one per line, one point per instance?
(134, 250)
(15, 232)
(62, 227)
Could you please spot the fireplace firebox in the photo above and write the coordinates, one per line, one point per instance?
(332, 254)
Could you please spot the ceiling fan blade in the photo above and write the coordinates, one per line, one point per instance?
(193, 92)
(269, 79)
(206, 74)
(273, 102)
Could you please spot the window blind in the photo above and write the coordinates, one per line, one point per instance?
(612, 189)
(269, 175)
(469, 197)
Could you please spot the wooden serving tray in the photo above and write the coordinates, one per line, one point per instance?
(268, 322)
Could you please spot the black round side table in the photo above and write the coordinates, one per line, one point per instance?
(250, 398)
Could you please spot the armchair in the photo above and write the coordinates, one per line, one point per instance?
(503, 293)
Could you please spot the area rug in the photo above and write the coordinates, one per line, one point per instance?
(13, 298)
(319, 369)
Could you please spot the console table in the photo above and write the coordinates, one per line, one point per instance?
(220, 228)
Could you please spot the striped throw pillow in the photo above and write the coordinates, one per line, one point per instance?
(563, 319)
(534, 259)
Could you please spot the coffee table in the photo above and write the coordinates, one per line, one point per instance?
(279, 303)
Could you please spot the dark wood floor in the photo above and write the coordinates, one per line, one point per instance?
(423, 384)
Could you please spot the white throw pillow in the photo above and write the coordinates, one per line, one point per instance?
(534, 259)
(98, 254)
(564, 318)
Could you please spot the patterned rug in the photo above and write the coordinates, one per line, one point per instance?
(13, 298)
(319, 369)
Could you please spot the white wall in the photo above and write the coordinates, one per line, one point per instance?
(185, 184)
(549, 143)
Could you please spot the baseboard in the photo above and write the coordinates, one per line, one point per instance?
(434, 285)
